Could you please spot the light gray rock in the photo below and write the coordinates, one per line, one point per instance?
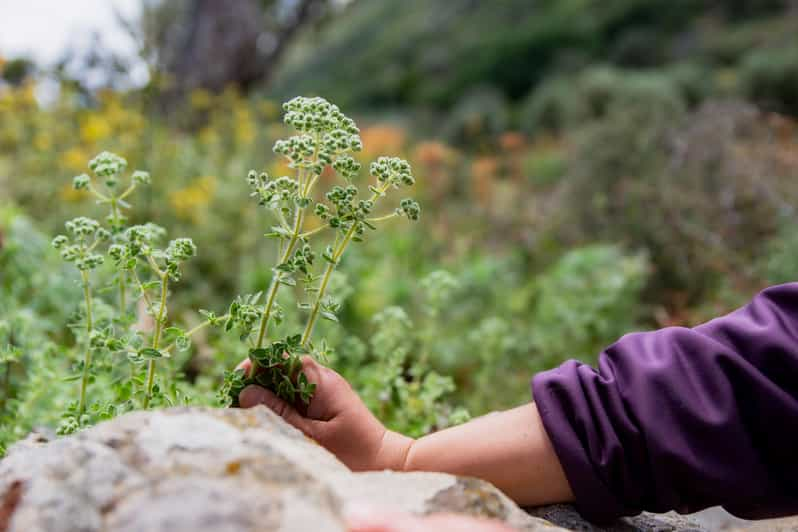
(190, 469)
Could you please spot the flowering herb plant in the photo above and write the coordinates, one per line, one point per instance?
(132, 261)
(326, 138)
(140, 270)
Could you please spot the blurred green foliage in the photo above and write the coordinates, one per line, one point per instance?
(586, 168)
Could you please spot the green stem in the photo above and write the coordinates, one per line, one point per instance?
(99, 195)
(84, 381)
(275, 284)
(197, 329)
(154, 266)
(6, 386)
(116, 215)
(306, 183)
(156, 338)
(314, 313)
(122, 293)
(337, 254)
(127, 192)
(383, 218)
(312, 232)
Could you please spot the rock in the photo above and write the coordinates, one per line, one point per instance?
(231, 470)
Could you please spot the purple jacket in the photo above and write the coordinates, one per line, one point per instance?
(682, 419)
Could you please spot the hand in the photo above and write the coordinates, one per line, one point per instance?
(337, 419)
(382, 521)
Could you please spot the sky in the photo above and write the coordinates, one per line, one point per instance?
(44, 29)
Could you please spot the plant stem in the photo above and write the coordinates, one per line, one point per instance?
(84, 381)
(312, 232)
(196, 329)
(275, 284)
(383, 218)
(337, 253)
(143, 291)
(306, 183)
(122, 275)
(156, 338)
(6, 387)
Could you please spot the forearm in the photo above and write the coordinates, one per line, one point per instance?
(510, 449)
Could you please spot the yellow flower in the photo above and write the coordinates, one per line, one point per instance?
(244, 126)
(74, 159)
(189, 201)
(94, 128)
(200, 99)
(42, 141)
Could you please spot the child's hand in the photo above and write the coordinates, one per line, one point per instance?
(337, 419)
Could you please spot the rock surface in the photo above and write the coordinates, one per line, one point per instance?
(198, 470)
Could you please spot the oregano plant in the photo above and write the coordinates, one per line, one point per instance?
(348, 211)
(134, 264)
(131, 260)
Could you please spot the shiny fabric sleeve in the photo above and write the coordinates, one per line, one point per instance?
(682, 419)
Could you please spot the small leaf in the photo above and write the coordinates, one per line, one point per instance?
(287, 280)
(182, 342)
(327, 315)
(149, 353)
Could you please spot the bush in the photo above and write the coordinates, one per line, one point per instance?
(566, 102)
(588, 299)
(770, 77)
(701, 192)
(478, 118)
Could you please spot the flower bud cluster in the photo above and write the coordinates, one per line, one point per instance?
(140, 239)
(81, 182)
(178, 251)
(301, 261)
(244, 314)
(347, 167)
(410, 208)
(108, 165)
(140, 177)
(316, 114)
(392, 170)
(82, 227)
(79, 252)
(273, 192)
(326, 135)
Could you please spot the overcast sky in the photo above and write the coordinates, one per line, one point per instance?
(43, 29)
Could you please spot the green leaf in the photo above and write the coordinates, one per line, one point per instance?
(150, 353)
(327, 315)
(287, 280)
(182, 342)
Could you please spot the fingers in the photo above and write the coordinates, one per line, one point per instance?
(371, 520)
(254, 395)
(245, 364)
(333, 393)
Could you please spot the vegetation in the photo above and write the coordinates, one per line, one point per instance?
(585, 170)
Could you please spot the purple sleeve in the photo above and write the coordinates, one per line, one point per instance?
(682, 419)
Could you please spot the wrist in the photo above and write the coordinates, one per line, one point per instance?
(393, 452)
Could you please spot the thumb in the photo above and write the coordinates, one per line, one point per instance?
(254, 395)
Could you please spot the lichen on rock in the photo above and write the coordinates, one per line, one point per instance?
(199, 469)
